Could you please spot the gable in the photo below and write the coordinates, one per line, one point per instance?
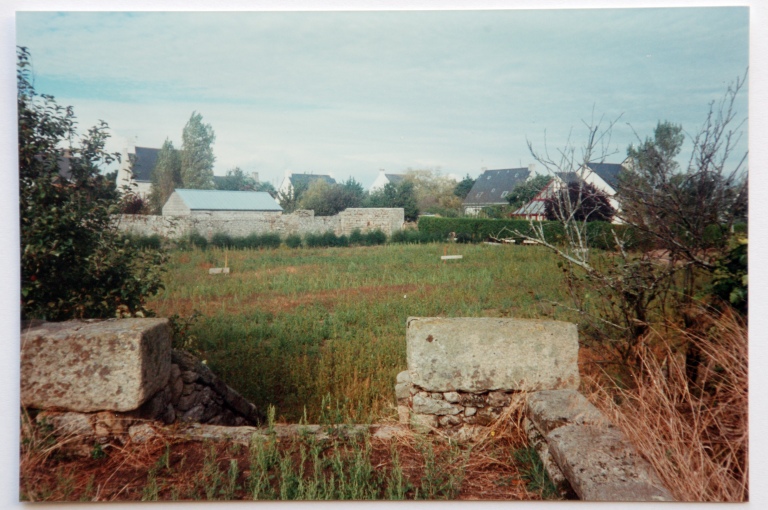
(143, 160)
(608, 172)
(493, 186)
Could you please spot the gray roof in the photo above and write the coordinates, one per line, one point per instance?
(493, 186)
(394, 178)
(144, 160)
(308, 179)
(217, 200)
(609, 172)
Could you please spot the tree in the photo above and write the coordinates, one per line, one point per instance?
(330, 199)
(197, 154)
(527, 191)
(434, 192)
(579, 201)
(74, 263)
(236, 180)
(463, 187)
(166, 176)
(266, 188)
(396, 195)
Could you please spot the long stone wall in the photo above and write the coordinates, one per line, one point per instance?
(241, 224)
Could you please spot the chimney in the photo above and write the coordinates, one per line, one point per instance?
(532, 168)
(255, 176)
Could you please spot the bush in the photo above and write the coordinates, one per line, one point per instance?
(198, 240)
(151, 242)
(356, 238)
(415, 237)
(375, 237)
(74, 262)
(222, 240)
(293, 241)
(325, 240)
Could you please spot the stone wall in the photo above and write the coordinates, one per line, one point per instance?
(241, 224)
(95, 379)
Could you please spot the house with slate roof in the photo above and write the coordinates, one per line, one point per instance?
(493, 186)
(384, 178)
(604, 176)
(136, 169)
(222, 204)
(292, 181)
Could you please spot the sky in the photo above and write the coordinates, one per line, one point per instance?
(349, 93)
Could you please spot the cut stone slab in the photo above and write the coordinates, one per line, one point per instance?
(482, 354)
(554, 408)
(87, 366)
(601, 466)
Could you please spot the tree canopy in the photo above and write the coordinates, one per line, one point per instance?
(166, 176)
(527, 191)
(74, 263)
(579, 201)
(197, 154)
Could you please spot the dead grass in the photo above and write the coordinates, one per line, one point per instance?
(696, 437)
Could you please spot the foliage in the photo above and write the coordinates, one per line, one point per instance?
(533, 472)
(463, 187)
(433, 192)
(411, 236)
(166, 176)
(293, 241)
(526, 191)
(330, 199)
(133, 203)
(729, 281)
(74, 264)
(236, 180)
(326, 239)
(396, 195)
(266, 187)
(579, 201)
(197, 154)
(290, 200)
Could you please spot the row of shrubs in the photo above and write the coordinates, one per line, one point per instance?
(271, 240)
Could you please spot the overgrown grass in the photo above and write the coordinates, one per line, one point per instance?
(288, 327)
(696, 436)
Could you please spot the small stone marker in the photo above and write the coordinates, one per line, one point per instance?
(483, 354)
(218, 270)
(451, 257)
(87, 366)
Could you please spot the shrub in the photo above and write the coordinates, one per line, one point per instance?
(375, 237)
(293, 241)
(356, 237)
(269, 240)
(151, 242)
(222, 240)
(415, 237)
(74, 262)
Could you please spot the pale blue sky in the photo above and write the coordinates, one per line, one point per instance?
(348, 93)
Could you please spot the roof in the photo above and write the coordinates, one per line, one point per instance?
(307, 179)
(537, 206)
(493, 186)
(217, 200)
(144, 160)
(609, 172)
(394, 178)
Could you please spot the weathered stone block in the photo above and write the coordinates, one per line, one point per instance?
(428, 405)
(555, 408)
(90, 366)
(478, 354)
(601, 466)
(402, 391)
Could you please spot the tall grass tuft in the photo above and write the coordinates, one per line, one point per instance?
(696, 437)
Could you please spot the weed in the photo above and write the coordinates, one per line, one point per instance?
(533, 472)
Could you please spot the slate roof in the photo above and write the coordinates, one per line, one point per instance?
(308, 179)
(609, 172)
(395, 178)
(493, 186)
(143, 160)
(217, 200)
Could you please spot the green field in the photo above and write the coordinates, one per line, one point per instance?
(288, 327)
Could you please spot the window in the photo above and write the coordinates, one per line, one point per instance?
(504, 194)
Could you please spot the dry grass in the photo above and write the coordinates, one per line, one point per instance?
(696, 437)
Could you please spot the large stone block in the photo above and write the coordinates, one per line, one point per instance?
(601, 466)
(481, 354)
(88, 366)
(555, 408)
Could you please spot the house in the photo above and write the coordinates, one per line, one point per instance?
(136, 169)
(493, 186)
(302, 181)
(217, 203)
(604, 176)
(384, 178)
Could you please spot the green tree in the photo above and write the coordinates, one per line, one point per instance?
(236, 180)
(396, 195)
(74, 263)
(434, 192)
(463, 187)
(526, 191)
(166, 176)
(197, 154)
(330, 199)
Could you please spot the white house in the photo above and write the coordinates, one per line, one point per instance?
(136, 168)
(291, 181)
(383, 179)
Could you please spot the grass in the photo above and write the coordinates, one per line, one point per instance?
(289, 327)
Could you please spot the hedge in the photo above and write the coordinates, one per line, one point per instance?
(476, 230)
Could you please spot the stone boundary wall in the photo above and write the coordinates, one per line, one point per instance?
(388, 220)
